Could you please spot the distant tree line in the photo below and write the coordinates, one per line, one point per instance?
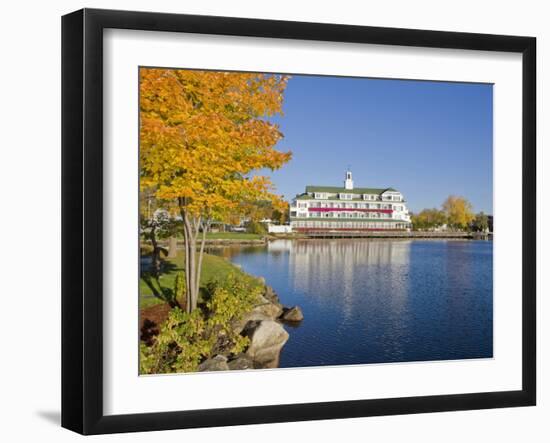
(456, 213)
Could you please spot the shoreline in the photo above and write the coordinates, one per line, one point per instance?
(378, 235)
(262, 324)
(423, 235)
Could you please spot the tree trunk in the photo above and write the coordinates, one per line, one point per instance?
(201, 254)
(193, 261)
(190, 258)
(186, 247)
(172, 247)
(192, 274)
(155, 256)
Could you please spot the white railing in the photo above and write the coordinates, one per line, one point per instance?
(279, 229)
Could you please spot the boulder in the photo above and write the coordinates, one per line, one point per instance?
(254, 315)
(270, 295)
(268, 308)
(264, 310)
(217, 363)
(267, 337)
(241, 362)
(293, 314)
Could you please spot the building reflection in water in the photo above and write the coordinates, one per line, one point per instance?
(338, 268)
(376, 300)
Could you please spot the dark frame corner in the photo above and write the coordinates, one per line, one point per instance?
(82, 152)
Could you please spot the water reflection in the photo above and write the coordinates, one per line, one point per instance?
(379, 300)
(336, 269)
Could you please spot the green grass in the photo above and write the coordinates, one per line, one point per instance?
(232, 236)
(212, 267)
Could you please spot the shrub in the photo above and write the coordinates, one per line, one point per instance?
(185, 339)
(179, 289)
(255, 227)
(179, 346)
(226, 302)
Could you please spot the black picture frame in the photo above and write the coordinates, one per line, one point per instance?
(82, 220)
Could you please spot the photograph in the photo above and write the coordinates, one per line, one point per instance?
(298, 220)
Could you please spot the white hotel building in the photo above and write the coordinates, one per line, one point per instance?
(330, 208)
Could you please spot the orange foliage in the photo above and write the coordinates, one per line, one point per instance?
(204, 133)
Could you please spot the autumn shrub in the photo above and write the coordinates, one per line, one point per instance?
(227, 301)
(178, 293)
(255, 227)
(186, 339)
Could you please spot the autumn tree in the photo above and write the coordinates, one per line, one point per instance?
(281, 215)
(203, 134)
(428, 219)
(458, 211)
(267, 210)
(257, 210)
(481, 222)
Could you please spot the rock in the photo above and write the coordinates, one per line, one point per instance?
(293, 314)
(241, 362)
(270, 295)
(217, 363)
(264, 310)
(268, 308)
(267, 337)
(254, 315)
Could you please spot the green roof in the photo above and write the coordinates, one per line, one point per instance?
(339, 189)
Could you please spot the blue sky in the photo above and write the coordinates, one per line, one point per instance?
(427, 139)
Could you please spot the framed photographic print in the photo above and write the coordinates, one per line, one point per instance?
(269, 221)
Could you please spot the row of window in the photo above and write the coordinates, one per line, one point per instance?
(343, 196)
(348, 225)
(349, 214)
(350, 205)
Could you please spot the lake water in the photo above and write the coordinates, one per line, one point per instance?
(374, 301)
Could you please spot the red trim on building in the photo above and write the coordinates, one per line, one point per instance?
(385, 211)
(346, 229)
